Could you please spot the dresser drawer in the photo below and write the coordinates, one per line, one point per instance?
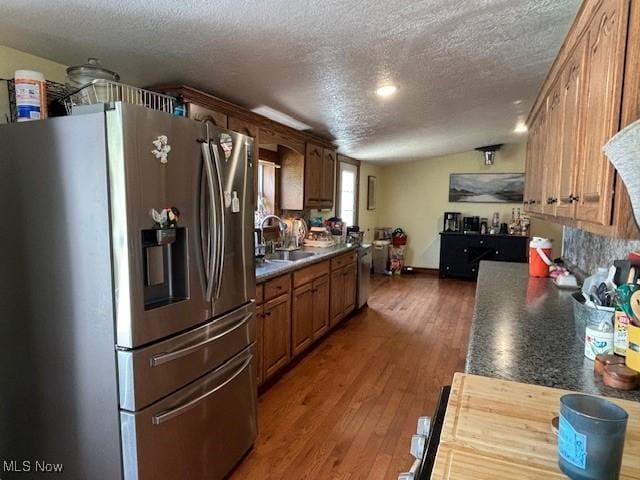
(342, 260)
(277, 286)
(309, 274)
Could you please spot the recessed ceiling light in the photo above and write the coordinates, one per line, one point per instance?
(521, 127)
(386, 90)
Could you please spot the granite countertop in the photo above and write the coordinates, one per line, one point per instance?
(523, 330)
(271, 269)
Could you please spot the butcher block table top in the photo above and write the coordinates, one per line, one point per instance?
(497, 429)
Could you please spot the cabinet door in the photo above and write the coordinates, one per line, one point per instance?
(302, 318)
(601, 108)
(321, 301)
(313, 176)
(350, 284)
(276, 335)
(571, 143)
(200, 113)
(535, 159)
(337, 295)
(328, 172)
(259, 343)
(553, 158)
(252, 131)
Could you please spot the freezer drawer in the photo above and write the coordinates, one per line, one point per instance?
(199, 432)
(150, 373)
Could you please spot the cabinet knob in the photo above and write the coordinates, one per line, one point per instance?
(497, 252)
(447, 268)
(473, 269)
(481, 242)
(465, 250)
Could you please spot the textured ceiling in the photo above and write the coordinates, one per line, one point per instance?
(465, 69)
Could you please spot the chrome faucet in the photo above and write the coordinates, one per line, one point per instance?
(281, 228)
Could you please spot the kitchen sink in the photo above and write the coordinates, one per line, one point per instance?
(288, 256)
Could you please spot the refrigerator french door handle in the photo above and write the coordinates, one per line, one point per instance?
(163, 358)
(210, 267)
(220, 244)
(170, 414)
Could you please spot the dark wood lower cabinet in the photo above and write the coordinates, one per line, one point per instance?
(276, 335)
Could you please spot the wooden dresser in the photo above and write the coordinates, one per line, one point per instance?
(461, 253)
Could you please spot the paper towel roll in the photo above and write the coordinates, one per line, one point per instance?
(623, 150)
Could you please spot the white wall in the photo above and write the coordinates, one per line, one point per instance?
(12, 60)
(415, 195)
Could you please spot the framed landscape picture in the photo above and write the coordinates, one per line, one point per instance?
(486, 187)
(371, 193)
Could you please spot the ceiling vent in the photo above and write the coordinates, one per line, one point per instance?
(489, 153)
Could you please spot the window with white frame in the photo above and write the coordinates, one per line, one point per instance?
(347, 207)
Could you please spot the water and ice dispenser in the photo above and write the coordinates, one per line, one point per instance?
(164, 260)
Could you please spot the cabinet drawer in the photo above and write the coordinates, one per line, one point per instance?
(306, 275)
(149, 373)
(342, 260)
(482, 242)
(259, 293)
(277, 286)
(214, 418)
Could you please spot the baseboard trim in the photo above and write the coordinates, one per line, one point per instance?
(426, 271)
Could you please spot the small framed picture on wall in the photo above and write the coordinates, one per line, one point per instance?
(371, 193)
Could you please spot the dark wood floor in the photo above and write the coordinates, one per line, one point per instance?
(349, 408)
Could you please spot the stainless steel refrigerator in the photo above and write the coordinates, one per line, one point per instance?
(128, 335)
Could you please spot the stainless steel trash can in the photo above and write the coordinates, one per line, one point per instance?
(381, 255)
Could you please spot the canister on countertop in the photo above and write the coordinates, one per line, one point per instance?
(31, 95)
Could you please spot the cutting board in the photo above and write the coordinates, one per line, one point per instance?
(496, 429)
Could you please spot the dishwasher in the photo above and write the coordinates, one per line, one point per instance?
(364, 274)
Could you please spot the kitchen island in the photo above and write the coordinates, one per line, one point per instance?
(523, 330)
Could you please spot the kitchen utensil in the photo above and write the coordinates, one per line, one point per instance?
(81, 75)
(610, 278)
(591, 437)
(620, 377)
(622, 271)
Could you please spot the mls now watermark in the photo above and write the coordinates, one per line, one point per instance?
(33, 466)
